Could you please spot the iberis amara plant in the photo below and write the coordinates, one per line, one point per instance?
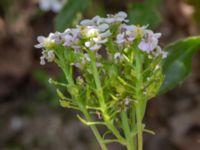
(112, 70)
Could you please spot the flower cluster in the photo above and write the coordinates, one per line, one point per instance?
(94, 34)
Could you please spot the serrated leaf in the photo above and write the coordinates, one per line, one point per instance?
(177, 65)
(69, 12)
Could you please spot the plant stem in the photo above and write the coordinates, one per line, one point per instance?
(132, 124)
(69, 78)
(94, 130)
(103, 106)
(139, 104)
(139, 129)
(127, 131)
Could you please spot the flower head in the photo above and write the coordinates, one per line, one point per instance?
(97, 33)
(149, 41)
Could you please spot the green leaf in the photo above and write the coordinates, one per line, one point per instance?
(144, 13)
(64, 103)
(177, 65)
(69, 12)
(60, 94)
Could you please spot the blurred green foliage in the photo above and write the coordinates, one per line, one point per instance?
(69, 12)
(143, 13)
(177, 65)
(5, 5)
(48, 92)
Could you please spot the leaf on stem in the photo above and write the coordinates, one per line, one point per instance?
(177, 65)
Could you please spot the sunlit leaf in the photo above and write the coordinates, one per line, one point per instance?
(177, 65)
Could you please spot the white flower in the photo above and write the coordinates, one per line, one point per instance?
(110, 20)
(41, 40)
(120, 38)
(96, 36)
(67, 40)
(47, 55)
(87, 44)
(87, 57)
(159, 52)
(120, 16)
(91, 32)
(98, 41)
(50, 56)
(45, 41)
(127, 34)
(150, 41)
(105, 34)
(42, 60)
(117, 55)
(103, 27)
(54, 5)
(95, 47)
(57, 37)
(71, 38)
(87, 22)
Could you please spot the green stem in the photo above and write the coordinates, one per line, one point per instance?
(140, 100)
(100, 95)
(127, 131)
(139, 129)
(94, 130)
(69, 78)
(133, 123)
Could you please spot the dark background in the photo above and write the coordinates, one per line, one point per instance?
(30, 115)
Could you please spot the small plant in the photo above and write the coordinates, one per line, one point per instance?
(112, 70)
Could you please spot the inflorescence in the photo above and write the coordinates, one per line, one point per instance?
(96, 33)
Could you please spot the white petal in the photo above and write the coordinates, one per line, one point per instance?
(57, 5)
(38, 46)
(120, 39)
(110, 20)
(105, 34)
(87, 44)
(117, 55)
(102, 41)
(157, 35)
(95, 47)
(87, 57)
(41, 39)
(121, 14)
(45, 5)
(103, 27)
(87, 22)
(42, 60)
